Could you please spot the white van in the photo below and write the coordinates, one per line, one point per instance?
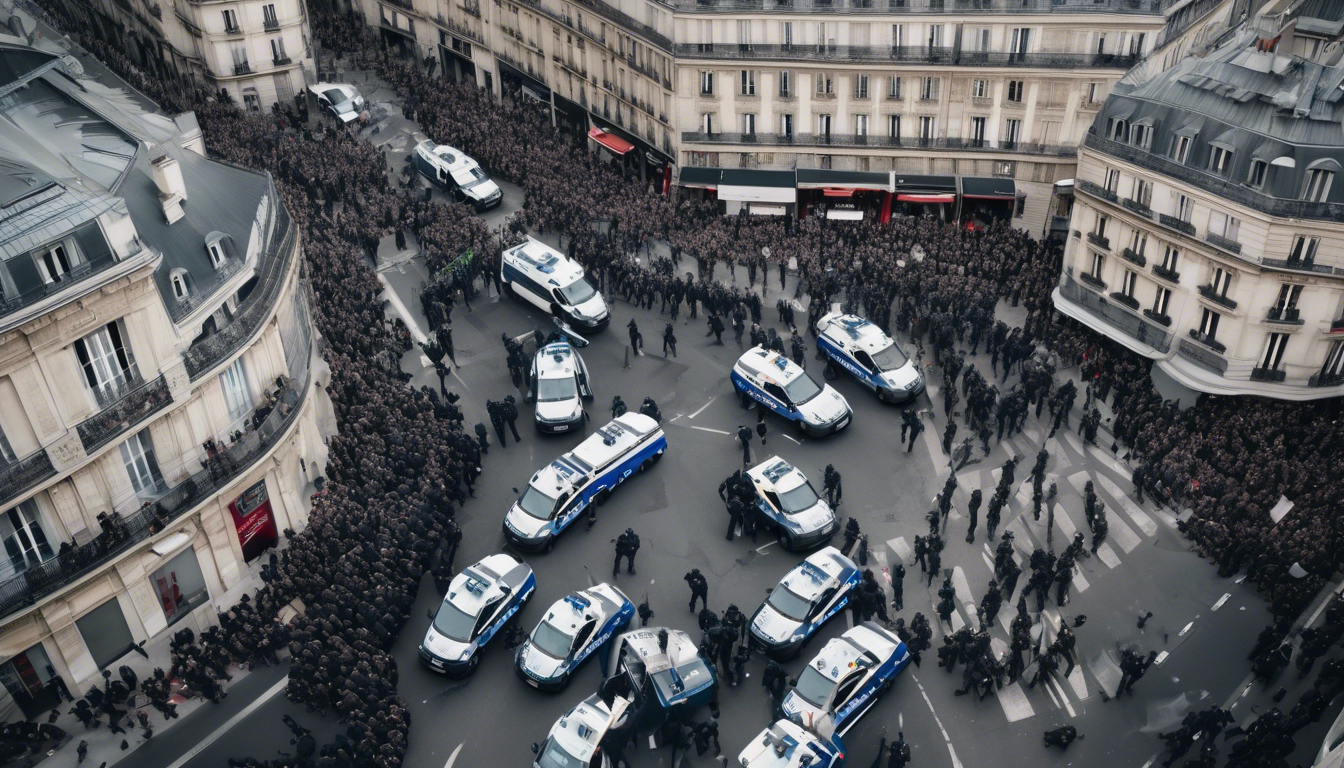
(781, 385)
(457, 174)
(543, 276)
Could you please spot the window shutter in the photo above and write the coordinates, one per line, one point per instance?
(82, 353)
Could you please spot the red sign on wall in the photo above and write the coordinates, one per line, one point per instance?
(254, 521)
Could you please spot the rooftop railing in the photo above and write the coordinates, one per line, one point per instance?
(1147, 7)
(10, 303)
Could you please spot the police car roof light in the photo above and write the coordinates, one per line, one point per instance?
(777, 470)
(782, 363)
(817, 575)
(579, 602)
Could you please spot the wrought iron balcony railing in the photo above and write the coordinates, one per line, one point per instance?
(1204, 357)
(242, 68)
(1176, 223)
(130, 409)
(871, 140)
(1208, 341)
(22, 474)
(1268, 374)
(1101, 241)
(1138, 259)
(1209, 293)
(1166, 273)
(1227, 244)
(1284, 315)
(10, 303)
(1124, 321)
(1145, 7)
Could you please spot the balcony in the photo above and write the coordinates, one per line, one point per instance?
(232, 29)
(1267, 374)
(1302, 265)
(1164, 320)
(885, 7)
(243, 68)
(10, 303)
(628, 23)
(886, 142)
(270, 25)
(1135, 206)
(1209, 293)
(156, 11)
(405, 5)
(1231, 246)
(1166, 273)
(1126, 322)
(273, 265)
(131, 405)
(280, 61)
(120, 534)
(1096, 190)
(1099, 240)
(1178, 224)
(1136, 259)
(1208, 341)
(899, 54)
(1284, 315)
(1092, 280)
(1201, 356)
(18, 476)
(472, 7)
(1323, 379)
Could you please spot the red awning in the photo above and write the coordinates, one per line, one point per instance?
(837, 192)
(610, 141)
(906, 197)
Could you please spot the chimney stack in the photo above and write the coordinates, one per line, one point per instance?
(172, 189)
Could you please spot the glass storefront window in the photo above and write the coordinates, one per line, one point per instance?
(180, 586)
(105, 633)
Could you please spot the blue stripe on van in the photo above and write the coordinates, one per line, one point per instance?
(612, 477)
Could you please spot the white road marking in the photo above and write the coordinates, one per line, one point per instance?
(955, 762)
(1140, 518)
(1151, 760)
(1064, 522)
(1068, 706)
(1122, 533)
(1014, 701)
(1161, 657)
(849, 619)
(1107, 555)
(707, 429)
(761, 549)
(1106, 458)
(1186, 629)
(1078, 683)
(654, 744)
(989, 562)
(969, 480)
(402, 311)
(946, 739)
(1073, 441)
(1080, 583)
(701, 408)
(962, 586)
(795, 440)
(229, 724)
(453, 757)
(1050, 692)
(901, 548)
(1222, 600)
(674, 418)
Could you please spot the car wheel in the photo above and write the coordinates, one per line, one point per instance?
(657, 457)
(645, 464)
(474, 663)
(787, 541)
(743, 399)
(550, 545)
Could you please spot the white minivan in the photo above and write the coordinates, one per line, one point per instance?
(543, 276)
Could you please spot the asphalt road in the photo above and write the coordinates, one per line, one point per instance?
(1204, 624)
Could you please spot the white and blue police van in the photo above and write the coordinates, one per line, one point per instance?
(787, 502)
(845, 679)
(874, 358)
(786, 744)
(779, 384)
(545, 278)
(559, 385)
(574, 628)
(805, 599)
(561, 490)
(575, 741)
(667, 676)
(457, 174)
(480, 601)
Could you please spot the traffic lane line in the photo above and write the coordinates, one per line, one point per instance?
(701, 408)
(231, 723)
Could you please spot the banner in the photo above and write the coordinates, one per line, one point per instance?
(254, 521)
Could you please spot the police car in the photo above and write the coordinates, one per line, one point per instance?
(559, 381)
(575, 741)
(778, 383)
(861, 348)
(542, 276)
(575, 627)
(788, 503)
(789, 745)
(457, 174)
(810, 594)
(561, 490)
(480, 601)
(845, 679)
(674, 681)
(340, 99)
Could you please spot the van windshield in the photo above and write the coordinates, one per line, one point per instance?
(890, 359)
(798, 499)
(536, 503)
(578, 292)
(554, 390)
(788, 604)
(801, 389)
(453, 623)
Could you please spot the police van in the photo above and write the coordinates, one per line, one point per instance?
(805, 599)
(575, 741)
(559, 381)
(480, 601)
(788, 503)
(561, 490)
(846, 679)
(863, 349)
(669, 680)
(787, 744)
(542, 276)
(574, 628)
(457, 174)
(781, 385)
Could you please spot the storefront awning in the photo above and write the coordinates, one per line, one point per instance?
(973, 188)
(925, 184)
(845, 214)
(700, 178)
(912, 197)
(751, 185)
(822, 178)
(834, 192)
(611, 141)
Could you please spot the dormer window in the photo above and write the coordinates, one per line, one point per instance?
(217, 257)
(1320, 177)
(1180, 148)
(54, 262)
(1120, 131)
(181, 286)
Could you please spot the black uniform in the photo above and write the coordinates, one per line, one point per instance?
(626, 546)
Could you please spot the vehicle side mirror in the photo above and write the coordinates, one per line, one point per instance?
(536, 748)
(793, 681)
(429, 614)
(515, 490)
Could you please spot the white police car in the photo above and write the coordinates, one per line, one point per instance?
(845, 679)
(561, 490)
(671, 681)
(575, 741)
(789, 504)
(340, 99)
(480, 601)
(785, 744)
(809, 595)
(559, 382)
(861, 348)
(574, 628)
(457, 174)
(542, 276)
(778, 383)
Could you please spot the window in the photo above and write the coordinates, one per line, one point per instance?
(1224, 226)
(979, 89)
(860, 125)
(1101, 42)
(1127, 283)
(894, 127)
(1220, 160)
(1208, 324)
(106, 360)
(825, 83)
(179, 281)
(1112, 180)
(237, 397)
(1185, 208)
(105, 633)
(893, 88)
(180, 586)
(268, 15)
(860, 86)
(1119, 130)
(1098, 264)
(1093, 93)
(1304, 250)
(1139, 242)
(824, 162)
(230, 21)
(1289, 293)
(824, 125)
(1317, 187)
(707, 122)
(1169, 259)
(26, 543)
(54, 262)
(1141, 135)
(1136, 43)
(216, 251)
(897, 35)
(1018, 46)
(977, 39)
(278, 49)
(786, 35)
(137, 453)
(935, 35)
(748, 124)
(6, 451)
(1162, 301)
(929, 89)
(1015, 91)
(926, 129)
(706, 83)
(785, 84)
(977, 131)
(748, 82)
(1221, 281)
(1274, 346)
(825, 36)
(1333, 368)
(743, 35)
(1256, 177)
(1143, 192)
(786, 125)
(1180, 148)
(1100, 227)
